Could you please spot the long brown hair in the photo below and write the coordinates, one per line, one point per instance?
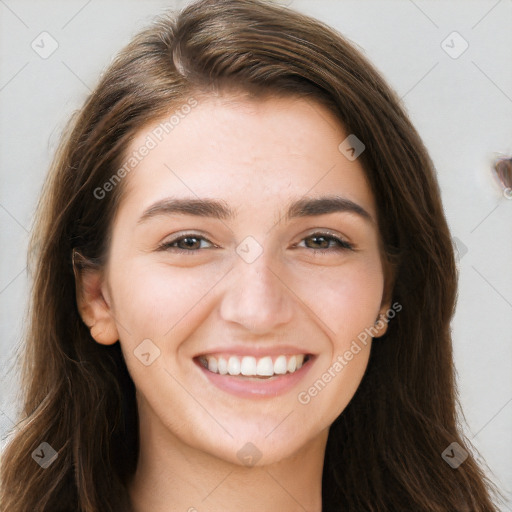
(384, 450)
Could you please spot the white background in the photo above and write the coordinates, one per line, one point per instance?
(462, 108)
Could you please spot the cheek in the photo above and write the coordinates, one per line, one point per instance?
(346, 299)
(347, 303)
(156, 299)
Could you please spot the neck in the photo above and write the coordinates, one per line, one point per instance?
(172, 476)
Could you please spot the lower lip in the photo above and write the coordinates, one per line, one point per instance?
(258, 388)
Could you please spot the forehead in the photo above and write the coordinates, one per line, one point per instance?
(249, 152)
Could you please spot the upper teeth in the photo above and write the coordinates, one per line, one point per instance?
(248, 365)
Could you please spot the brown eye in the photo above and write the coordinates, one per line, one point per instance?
(186, 243)
(189, 242)
(323, 241)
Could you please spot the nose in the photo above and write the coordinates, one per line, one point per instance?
(257, 297)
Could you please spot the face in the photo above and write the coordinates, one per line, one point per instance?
(243, 269)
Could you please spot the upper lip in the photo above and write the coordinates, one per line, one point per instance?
(244, 350)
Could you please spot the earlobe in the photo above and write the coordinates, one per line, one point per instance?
(105, 333)
(381, 324)
(93, 307)
(382, 320)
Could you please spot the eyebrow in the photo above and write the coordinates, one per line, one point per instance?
(304, 207)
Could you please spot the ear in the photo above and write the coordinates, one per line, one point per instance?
(94, 304)
(381, 323)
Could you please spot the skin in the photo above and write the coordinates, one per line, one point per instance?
(256, 156)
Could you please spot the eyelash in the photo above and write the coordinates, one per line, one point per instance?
(342, 245)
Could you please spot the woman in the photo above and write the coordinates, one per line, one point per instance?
(243, 286)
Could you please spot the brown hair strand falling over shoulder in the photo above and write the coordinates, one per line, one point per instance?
(384, 450)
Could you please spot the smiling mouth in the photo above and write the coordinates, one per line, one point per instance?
(251, 367)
